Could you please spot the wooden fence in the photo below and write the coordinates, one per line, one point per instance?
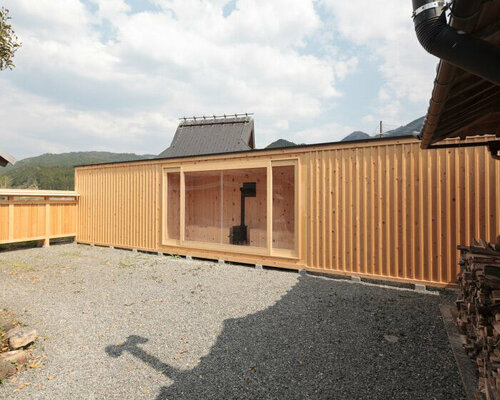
(380, 209)
(27, 215)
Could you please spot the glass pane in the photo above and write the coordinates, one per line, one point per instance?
(244, 207)
(203, 206)
(284, 207)
(173, 205)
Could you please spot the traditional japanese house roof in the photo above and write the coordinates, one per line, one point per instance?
(199, 136)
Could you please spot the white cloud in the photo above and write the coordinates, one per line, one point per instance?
(51, 127)
(111, 9)
(331, 132)
(386, 33)
(107, 77)
(103, 75)
(60, 20)
(281, 124)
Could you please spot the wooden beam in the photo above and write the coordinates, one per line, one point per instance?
(297, 204)
(269, 208)
(36, 238)
(11, 218)
(46, 242)
(182, 212)
(38, 193)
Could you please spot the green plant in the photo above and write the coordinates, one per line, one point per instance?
(9, 42)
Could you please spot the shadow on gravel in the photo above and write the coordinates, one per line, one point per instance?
(322, 340)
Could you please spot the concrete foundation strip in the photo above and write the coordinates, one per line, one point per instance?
(466, 367)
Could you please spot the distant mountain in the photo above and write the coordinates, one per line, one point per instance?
(409, 129)
(280, 143)
(55, 171)
(412, 128)
(356, 135)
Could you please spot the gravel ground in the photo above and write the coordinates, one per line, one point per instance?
(119, 325)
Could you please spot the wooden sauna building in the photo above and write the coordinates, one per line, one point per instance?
(380, 209)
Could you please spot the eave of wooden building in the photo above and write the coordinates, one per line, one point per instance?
(6, 158)
(462, 104)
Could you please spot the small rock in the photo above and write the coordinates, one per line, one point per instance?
(6, 369)
(20, 337)
(463, 339)
(18, 356)
(391, 338)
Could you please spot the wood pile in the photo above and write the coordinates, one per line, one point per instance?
(478, 317)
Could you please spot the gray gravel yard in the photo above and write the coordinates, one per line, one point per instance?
(121, 325)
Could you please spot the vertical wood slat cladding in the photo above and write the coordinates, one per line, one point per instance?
(4, 219)
(409, 226)
(118, 206)
(62, 219)
(36, 219)
(382, 209)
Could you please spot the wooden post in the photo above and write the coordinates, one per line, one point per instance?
(164, 204)
(297, 212)
(11, 217)
(269, 208)
(182, 211)
(46, 242)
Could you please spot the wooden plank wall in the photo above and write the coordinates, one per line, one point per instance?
(398, 212)
(119, 206)
(36, 219)
(384, 210)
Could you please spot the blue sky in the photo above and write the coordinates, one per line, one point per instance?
(116, 75)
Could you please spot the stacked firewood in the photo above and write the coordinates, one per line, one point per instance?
(478, 318)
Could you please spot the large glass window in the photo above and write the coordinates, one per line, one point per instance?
(244, 216)
(284, 207)
(227, 207)
(230, 207)
(203, 206)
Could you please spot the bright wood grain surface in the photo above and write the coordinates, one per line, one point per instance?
(382, 209)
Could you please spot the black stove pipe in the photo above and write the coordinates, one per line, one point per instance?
(242, 214)
(476, 56)
(249, 189)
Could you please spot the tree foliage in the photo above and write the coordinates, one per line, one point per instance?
(55, 171)
(5, 182)
(9, 42)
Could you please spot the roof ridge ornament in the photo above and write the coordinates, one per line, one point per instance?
(215, 117)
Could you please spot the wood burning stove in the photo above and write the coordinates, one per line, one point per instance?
(238, 234)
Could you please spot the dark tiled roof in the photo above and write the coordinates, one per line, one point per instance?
(200, 136)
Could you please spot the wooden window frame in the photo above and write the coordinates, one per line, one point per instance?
(231, 248)
(165, 241)
(286, 253)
